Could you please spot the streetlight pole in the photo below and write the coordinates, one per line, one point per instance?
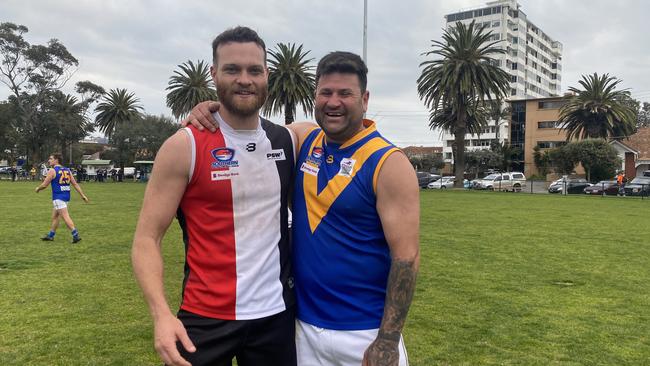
(365, 31)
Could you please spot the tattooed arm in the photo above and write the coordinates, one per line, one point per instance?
(398, 205)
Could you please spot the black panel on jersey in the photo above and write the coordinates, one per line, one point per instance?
(280, 138)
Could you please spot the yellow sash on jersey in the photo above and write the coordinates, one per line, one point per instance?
(318, 204)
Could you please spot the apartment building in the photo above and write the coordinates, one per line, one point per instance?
(534, 122)
(532, 59)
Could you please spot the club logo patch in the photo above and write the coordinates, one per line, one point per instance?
(224, 158)
(317, 152)
(347, 167)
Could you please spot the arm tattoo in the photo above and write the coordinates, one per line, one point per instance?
(399, 293)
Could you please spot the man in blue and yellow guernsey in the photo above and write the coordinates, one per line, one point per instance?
(61, 179)
(355, 226)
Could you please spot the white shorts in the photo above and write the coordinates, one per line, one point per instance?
(59, 204)
(325, 347)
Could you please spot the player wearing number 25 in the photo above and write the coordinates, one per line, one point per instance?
(61, 179)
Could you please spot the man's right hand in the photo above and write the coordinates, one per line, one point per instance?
(167, 331)
(201, 116)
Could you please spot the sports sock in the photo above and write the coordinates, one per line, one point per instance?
(51, 234)
(75, 232)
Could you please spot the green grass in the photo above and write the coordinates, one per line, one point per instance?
(505, 279)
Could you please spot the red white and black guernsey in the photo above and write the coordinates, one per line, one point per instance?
(234, 220)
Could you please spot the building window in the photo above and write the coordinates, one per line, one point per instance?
(514, 66)
(550, 105)
(550, 144)
(513, 78)
(547, 124)
(513, 92)
(496, 23)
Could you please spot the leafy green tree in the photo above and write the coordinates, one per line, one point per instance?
(427, 163)
(563, 159)
(64, 114)
(509, 155)
(598, 110)
(90, 93)
(31, 72)
(461, 80)
(598, 158)
(291, 82)
(8, 135)
(643, 116)
(116, 108)
(188, 87)
(140, 139)
(480, 160)
(542, 161)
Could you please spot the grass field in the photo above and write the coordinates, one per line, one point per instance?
(505, 279)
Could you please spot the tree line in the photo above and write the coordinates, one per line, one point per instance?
(460, 83)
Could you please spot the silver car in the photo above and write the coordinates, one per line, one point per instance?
(442, 183)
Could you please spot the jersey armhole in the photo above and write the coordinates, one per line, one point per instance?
(193, 154)
(381, 161)
(294, 145)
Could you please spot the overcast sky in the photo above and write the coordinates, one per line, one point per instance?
(137, 44)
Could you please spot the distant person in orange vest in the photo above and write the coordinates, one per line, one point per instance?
(620, 181)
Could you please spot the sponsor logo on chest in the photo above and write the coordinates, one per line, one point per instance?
(275, 155)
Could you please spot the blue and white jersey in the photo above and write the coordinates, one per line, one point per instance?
(341, 258)
(61, 183)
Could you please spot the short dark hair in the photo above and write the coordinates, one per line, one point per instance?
(345, 63)
(57, 156)
(238, 34)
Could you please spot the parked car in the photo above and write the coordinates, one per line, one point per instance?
(646, 173)
(638, 186)
(442, 183)
(608, 187)
(512, 181)
(573, 186)
(425, 178)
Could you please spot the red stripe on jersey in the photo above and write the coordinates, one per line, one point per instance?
(211, 280)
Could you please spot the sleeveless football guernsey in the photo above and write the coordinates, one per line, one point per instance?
(61, 183)
(340, 255)
(234, 220)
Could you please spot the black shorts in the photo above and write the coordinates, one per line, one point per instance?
(258, 342)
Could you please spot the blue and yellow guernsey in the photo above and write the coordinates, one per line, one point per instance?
(61, 183)
(340, 255)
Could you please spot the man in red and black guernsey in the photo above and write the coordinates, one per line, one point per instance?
(229, 191)
(355, 226)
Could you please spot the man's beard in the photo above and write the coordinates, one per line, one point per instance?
(239, 107)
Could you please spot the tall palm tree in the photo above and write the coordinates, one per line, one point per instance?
(597, 110)
(188, 87)
(291, 82)
(463, 78)
(117, 107)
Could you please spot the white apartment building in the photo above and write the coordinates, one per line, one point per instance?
(532, 59)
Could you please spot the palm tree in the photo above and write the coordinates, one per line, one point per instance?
(500, 114)
(598, 110)
(291, 82)
(188, 87)
(117, 107)
(67, 114)
(463, 79)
